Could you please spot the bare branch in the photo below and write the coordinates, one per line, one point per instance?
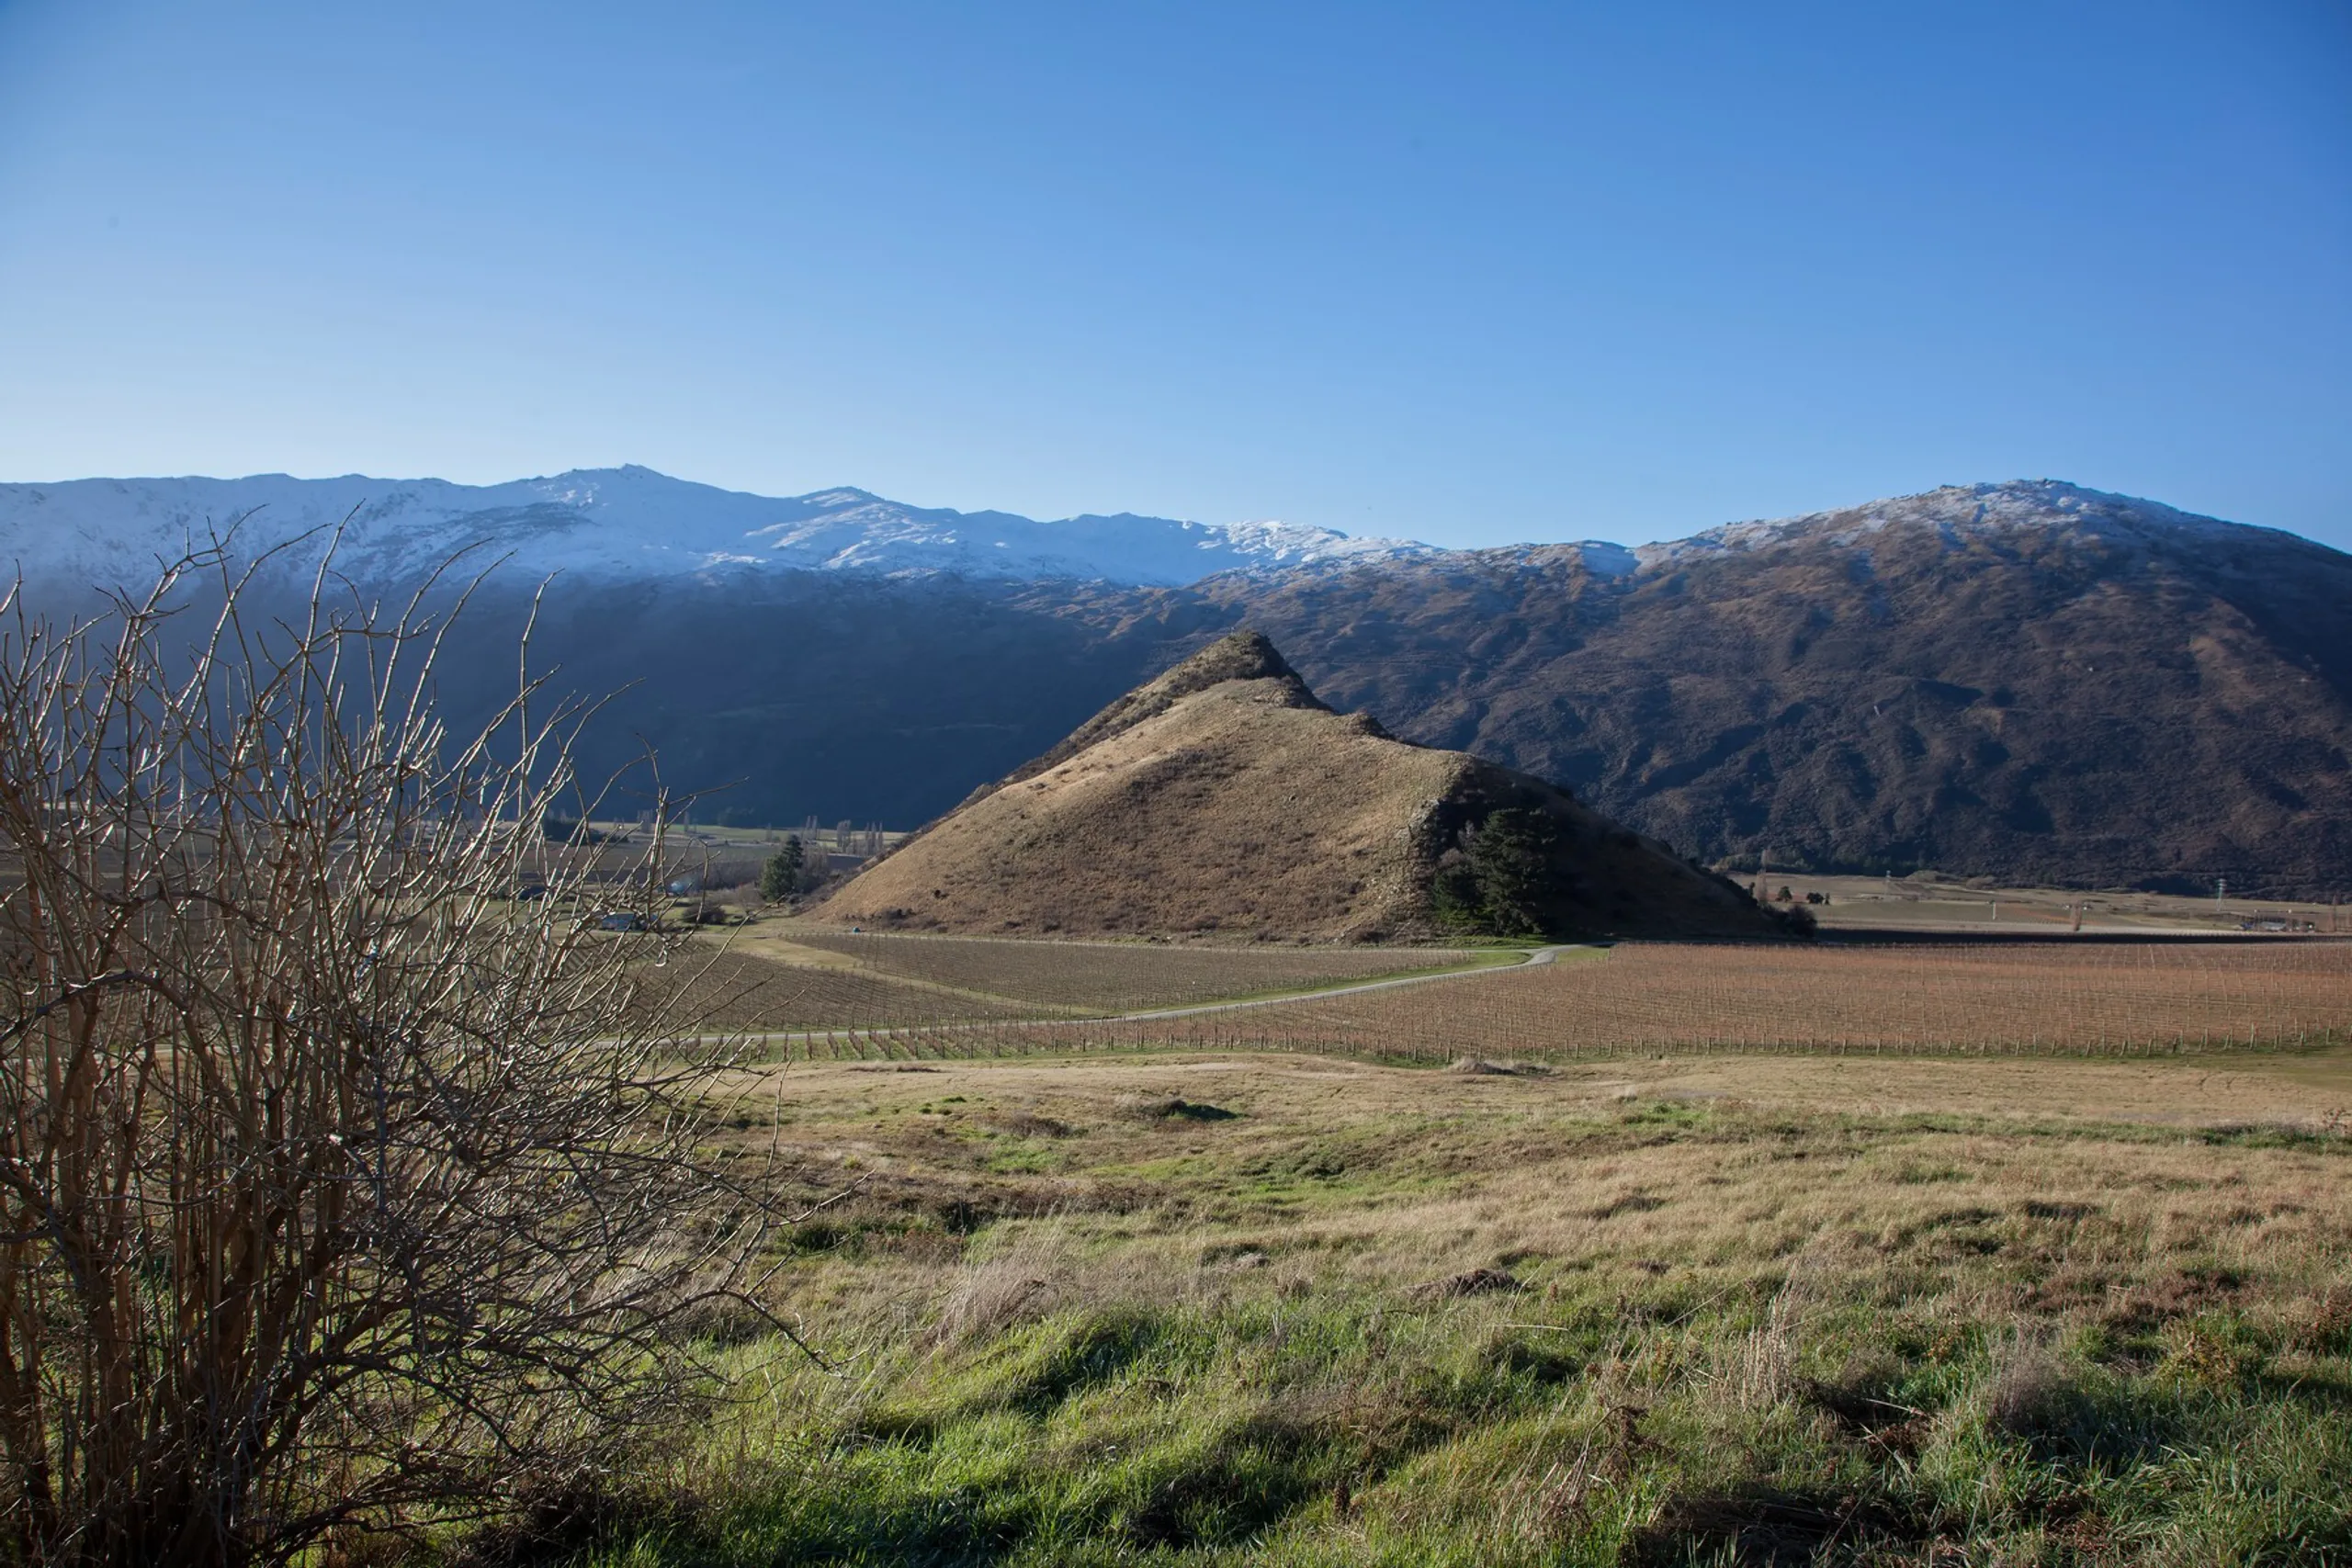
(336, 1182)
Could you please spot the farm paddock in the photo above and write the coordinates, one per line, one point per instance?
(934, 998)
(2073, 997)
(1920, 1253)
(1707, 1307)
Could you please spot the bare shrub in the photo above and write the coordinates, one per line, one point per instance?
(341, 1186)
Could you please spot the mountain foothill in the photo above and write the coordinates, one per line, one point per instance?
(1224, 799)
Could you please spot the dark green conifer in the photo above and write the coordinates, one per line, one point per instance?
(780, 878)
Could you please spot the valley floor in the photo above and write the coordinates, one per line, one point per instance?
(1292, 1309)
(830, 996)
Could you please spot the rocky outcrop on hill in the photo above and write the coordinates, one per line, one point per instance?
(1224, 799)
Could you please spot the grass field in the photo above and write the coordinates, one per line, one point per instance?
(1703, 1308)
(1931, 1254)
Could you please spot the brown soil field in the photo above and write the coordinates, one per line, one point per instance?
(2010, 998)
(780, 978)
(712, 989)
(1976, 906)
(1995, 996)
(1118, 976)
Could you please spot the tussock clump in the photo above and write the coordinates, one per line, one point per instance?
(994, 1295)
(1860, 1398)
(1480, 1067)
(1028, 1124)
(2217, 1350)
(723, 1320)
(1475, 1283)
(2030, 1389)
(554, 1517)
(2328, 1330)
(1170, 1106)
(1761, 1524)
(1761, 1370)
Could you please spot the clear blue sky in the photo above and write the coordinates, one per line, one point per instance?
(1467, 272)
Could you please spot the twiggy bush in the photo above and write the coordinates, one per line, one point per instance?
(340, 1189)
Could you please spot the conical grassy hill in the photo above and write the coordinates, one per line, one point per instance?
(1222, 799)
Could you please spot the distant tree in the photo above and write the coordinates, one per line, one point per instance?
(1795, 919)
(780, 878)
(1510, 862)
(1496, 883)
(1454, 895)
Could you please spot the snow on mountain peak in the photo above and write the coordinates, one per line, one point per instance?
(630, 521)
(1958, 512)
(633, 521)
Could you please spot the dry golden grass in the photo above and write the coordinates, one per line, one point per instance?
(1237, 810)
(1434, 1172)
(1927, 902)
(2093, 1184)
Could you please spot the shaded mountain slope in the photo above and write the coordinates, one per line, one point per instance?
(806, 694)
(1224, 798)
(2031, 682)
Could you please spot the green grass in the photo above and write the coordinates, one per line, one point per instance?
(1594, 1430)
(1767, 1331)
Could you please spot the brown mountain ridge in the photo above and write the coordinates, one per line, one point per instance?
(1224, 799)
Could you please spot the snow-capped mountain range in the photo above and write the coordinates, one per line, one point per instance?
(1955, 513)
(634, 523)
(623, 522)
